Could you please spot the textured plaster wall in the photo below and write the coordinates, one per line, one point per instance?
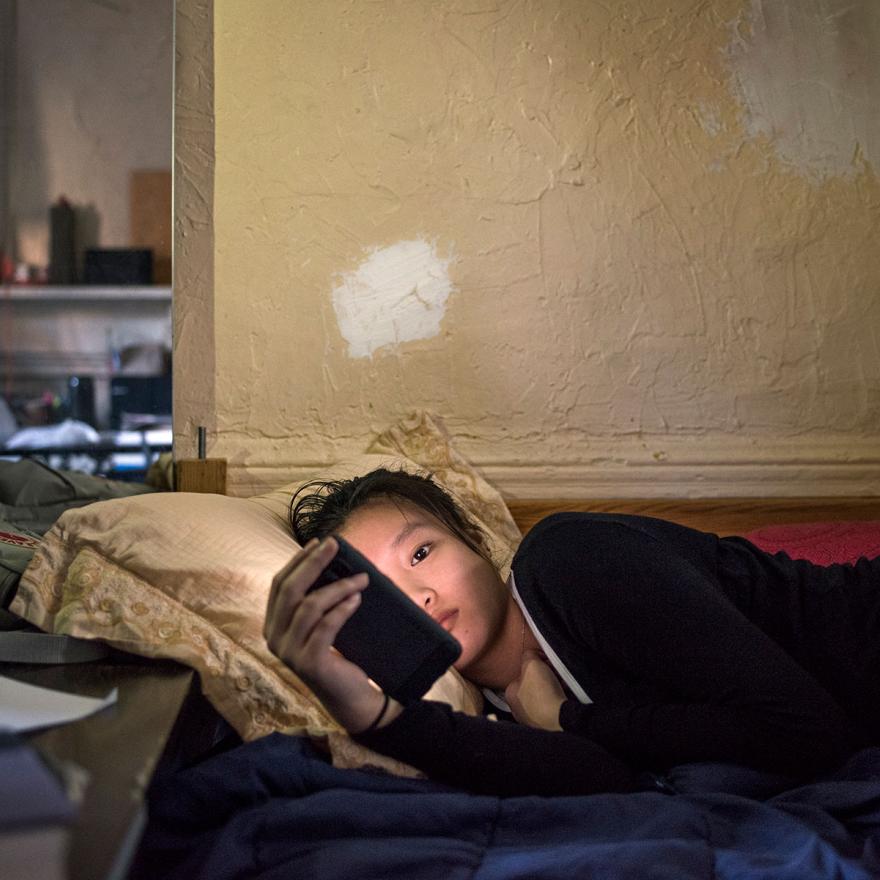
(646, 235)
(93, 95)
(194, 362)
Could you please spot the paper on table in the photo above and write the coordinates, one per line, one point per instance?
(27, 707)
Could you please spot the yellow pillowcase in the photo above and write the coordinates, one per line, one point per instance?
(186, 577)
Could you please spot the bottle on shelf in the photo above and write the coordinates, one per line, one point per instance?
(62, 253)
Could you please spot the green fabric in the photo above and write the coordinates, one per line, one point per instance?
(17, 546)
(40, 647)
(33, 495)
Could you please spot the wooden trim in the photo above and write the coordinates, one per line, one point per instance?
(723, 516)
(200, 475)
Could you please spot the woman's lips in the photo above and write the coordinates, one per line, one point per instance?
(447, 619)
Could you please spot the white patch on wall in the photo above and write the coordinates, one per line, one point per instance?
(398, 294)
(806, 74)
(709, 119)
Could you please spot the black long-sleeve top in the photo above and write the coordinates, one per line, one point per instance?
(690, 647)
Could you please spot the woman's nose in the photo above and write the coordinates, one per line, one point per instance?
(424, 597)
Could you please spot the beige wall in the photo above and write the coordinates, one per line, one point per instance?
(621, 249)
(93, 94)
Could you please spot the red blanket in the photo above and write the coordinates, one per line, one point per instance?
(822, 543)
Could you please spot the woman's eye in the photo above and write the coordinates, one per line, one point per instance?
(420, 554)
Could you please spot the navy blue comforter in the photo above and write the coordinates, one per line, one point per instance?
(275, 809)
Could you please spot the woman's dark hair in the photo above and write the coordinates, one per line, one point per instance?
(321, 507)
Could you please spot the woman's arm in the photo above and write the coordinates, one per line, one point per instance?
(500, 757)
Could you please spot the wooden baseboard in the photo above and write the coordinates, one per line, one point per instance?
(723, 516)
(200, 475)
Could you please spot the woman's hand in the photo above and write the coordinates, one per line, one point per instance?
(536, 696)
(300, 629)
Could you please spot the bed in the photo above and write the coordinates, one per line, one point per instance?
(266, 785)
(275, 808)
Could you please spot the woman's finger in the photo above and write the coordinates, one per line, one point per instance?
(282, 576)
(322, 602)
(306, 646)
(293, 582)
(316, 639)
(294, 562)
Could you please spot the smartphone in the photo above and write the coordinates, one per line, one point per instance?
(399, 646)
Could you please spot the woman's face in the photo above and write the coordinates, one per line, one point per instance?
(438, 571)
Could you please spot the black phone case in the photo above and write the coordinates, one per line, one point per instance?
(397, 644)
